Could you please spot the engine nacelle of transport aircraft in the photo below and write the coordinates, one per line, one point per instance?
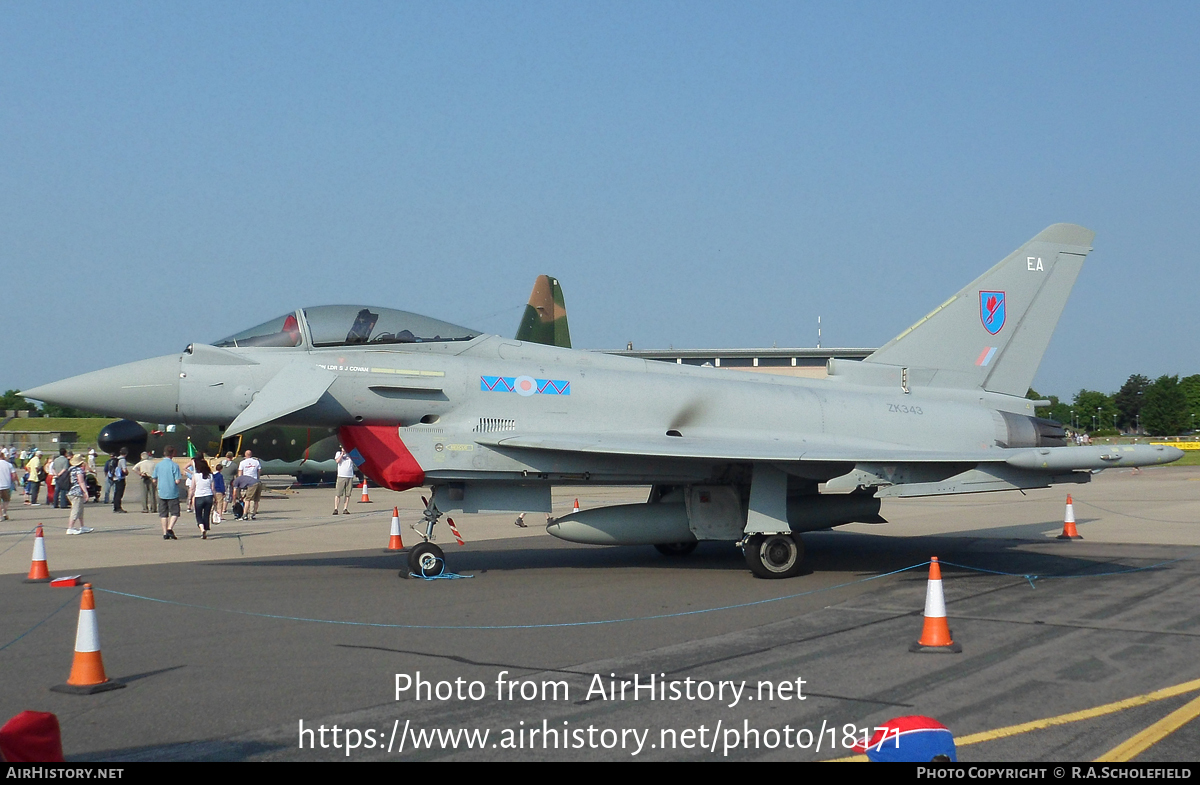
(123, 433)
(659, 523)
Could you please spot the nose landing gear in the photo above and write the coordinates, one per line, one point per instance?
(426, 559)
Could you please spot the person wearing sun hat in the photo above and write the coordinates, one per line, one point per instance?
(77, 494)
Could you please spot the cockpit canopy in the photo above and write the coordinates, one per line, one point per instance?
(283, 331)
(349, 325)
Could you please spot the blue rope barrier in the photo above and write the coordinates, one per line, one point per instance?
(1027, 576)
(1032, 577)
(516, 626)
(440, 575)
(40, 623)
(18, 542)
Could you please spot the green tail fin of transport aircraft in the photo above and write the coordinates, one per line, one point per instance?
(545, 317)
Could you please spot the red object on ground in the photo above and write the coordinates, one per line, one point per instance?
(31, 737)
(911, 739)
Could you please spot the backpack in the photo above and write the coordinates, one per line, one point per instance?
(109, 467)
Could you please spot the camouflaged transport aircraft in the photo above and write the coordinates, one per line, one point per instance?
(491, 424)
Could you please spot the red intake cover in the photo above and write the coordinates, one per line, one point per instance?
(385, 458)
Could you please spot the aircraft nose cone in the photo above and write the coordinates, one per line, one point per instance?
(144, 390)
(1173, 453)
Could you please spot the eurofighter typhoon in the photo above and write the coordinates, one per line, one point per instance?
(491, 424)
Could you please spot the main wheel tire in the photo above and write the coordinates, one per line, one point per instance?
(775, 555)
(426, 560)
(675, 548)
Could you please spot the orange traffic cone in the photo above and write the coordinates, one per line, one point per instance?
(87, 672)
(394, 542)
(1069, 531)
(576, 506)
(365, 498)
(935, 635)
(39, 571)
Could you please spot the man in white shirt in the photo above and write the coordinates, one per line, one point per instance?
(345, 480)
(250, 468)
(8, 479)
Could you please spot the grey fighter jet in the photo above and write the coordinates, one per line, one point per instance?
(492, 424)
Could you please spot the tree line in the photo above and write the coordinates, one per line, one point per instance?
(1167, 406)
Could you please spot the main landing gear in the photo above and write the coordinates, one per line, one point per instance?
(774, 555)
(425, 558)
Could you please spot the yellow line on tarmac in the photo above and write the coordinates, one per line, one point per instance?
(1087, 714)
(1143, 741)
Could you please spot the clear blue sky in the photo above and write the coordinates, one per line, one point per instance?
(696, 174)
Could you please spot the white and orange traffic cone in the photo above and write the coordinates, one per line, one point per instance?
(39, 571)
(576, 509)
(454, 531)
(87, 672)
(935, 635)
(1069, 531)
(365, 498)
(395, 543)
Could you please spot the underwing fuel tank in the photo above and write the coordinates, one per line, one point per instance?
(653, 524)
(625, 524)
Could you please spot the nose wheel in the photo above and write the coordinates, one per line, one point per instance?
(774, 555)
(426, 560)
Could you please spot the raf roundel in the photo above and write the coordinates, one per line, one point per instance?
(525, 385)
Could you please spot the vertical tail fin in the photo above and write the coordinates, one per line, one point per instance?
(545, 318)
(993, 333)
